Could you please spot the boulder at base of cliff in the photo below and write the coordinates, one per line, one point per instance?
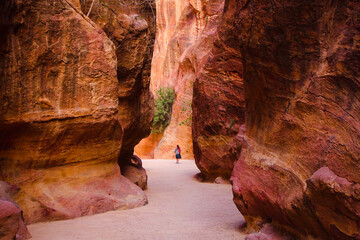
(12, 225)
(135, 172)
(136, 175)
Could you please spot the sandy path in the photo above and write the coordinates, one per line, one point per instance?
(179, 208)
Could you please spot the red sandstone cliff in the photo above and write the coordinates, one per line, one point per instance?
(187, 51)
(299, 166)
(179, 25)
(131, 27)
(65, 109)
(219, 99)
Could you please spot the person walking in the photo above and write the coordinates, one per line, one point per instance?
(177, 153)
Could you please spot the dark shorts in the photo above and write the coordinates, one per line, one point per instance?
(178, 156)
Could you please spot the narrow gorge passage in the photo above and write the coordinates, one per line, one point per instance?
(179, 207)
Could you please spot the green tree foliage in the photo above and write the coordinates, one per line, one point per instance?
(163, 108)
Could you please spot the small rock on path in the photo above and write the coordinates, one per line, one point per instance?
(179, 208)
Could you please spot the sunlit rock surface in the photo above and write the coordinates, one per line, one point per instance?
(299, 166)
(62, 126)
(179, 24)
(145, 149)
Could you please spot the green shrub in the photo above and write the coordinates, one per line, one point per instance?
(163, 108)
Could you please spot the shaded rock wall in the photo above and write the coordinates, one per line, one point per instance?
(299, 166)
(219, 99)
(131, 27)
(61, 122)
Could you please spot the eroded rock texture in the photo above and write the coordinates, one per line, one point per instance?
(299, 166)
(12, 224)
(131, 27)
(60, 121)
(135, 172)
(219, 99)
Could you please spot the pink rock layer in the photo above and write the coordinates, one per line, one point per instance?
(11, 223)
(219, 98)
(299, 164)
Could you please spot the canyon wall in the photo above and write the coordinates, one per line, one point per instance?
(179, 24)
(219, 99)
(189, 56)
(67, 106)
(131, 27)
(299, 166)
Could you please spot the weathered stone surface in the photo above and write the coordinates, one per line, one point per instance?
(59, 122)
(135, 172)
(327, 191)
(194, 53)
(219, 100)
(136, 175)
(300, 156)
(12, 224)
(131, 27)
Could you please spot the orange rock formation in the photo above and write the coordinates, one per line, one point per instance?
(179, 25)
(67, 106)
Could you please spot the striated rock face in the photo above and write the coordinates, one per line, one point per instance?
(219, 99)
(299, 166)
(61, 134)
(175, 22)
(131, 27)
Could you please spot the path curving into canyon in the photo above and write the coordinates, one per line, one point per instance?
(179, 208)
